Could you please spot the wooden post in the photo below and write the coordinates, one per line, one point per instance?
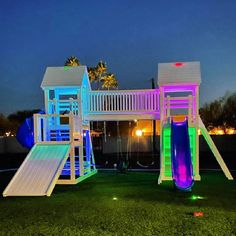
(168, 106)
(197, 175)
(35, 128)
(46, 98)
(72, 150)
(80, 112)
(151, 97)
(162, 170)
(190, 109)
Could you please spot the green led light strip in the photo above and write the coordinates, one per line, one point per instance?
(167, 149)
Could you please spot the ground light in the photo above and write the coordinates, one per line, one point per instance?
(198, 213)
(114, 198)
(196, 197)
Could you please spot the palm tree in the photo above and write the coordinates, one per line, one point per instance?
(100, 71)
(97, 73)
(109, 81)
(72, 61)
(101, 67)
(91, 74)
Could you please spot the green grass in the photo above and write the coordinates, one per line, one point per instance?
(142, 208)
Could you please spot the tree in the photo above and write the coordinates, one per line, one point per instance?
(220, 113)
(97, 73)
(109, 81)
(229, 110)
(72, 61)
(4, 125)
(20, 116)
(91, 74)
(212, 114)
(17, 118)
(100, 75)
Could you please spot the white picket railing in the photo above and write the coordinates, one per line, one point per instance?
(177, 104)
(63, 106)
(54, 128)
(123, 101)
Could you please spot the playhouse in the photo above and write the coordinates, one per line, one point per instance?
(63, 152)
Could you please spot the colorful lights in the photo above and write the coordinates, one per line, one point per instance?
(67, 67)
(182, 171)
(139, 133)
(178, 64)
(8, 134)
(220, 131)
(167, 145)
(196, 197)
(231, 131)
(198, 213)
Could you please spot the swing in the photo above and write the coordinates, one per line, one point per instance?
(123, 164)
(142, 165)
(128, 148)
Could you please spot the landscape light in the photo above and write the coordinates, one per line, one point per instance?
(139, 133)
(230, 131)
(195, 197)
(114, 198)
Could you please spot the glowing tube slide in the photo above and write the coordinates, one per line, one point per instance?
(182, 170)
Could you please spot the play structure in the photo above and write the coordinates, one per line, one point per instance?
(63, 153)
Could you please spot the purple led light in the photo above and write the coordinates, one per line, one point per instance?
(179, 87)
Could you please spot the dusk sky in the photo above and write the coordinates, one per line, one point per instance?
(131, 36)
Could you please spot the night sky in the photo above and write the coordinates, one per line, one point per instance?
(131, 36)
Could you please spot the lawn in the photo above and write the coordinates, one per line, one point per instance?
(123, 204)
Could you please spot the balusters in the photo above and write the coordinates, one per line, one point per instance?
(124, 101)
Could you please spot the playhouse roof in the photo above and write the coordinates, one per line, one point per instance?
(64, 76)
(179, 73)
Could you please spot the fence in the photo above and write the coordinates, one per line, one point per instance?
(124, 101)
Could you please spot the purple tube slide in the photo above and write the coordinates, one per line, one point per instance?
(182, 169)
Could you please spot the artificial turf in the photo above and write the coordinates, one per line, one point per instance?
(123, 204)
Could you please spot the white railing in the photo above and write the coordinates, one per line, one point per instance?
(179, 106)
(63, 106)
(123, 101)
(54, 128)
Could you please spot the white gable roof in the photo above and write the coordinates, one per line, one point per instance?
(179, 72)
(64, 76)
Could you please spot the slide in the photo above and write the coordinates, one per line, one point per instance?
(39, 172)
(182, 170)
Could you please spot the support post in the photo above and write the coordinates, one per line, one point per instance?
(196, 111)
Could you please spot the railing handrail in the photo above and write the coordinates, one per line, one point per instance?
(53, 115)
(63, 100)
(174, 103)
(123, 91)
(183, 98)
(124, 101)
